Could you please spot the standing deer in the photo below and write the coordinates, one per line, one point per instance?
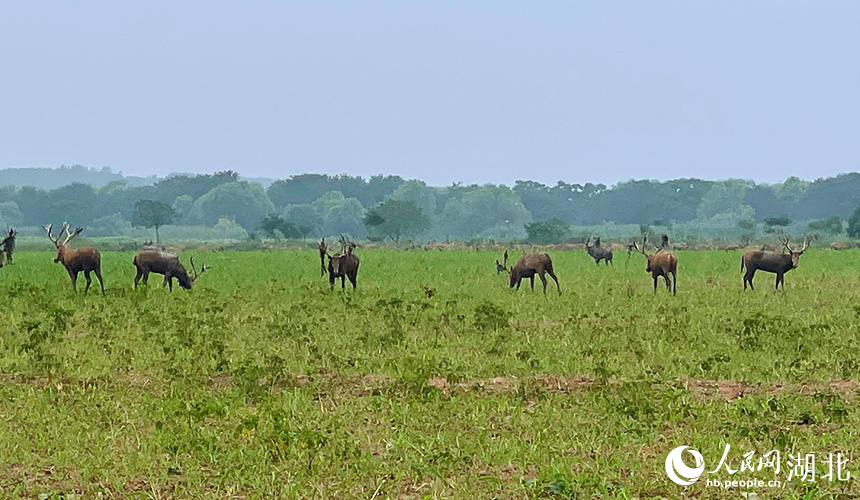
(527, 267)
(153, 261)
(661, 263)
(597, 253)
(83, 259)
(322, 248)
(8, 245)
(779, 263)
(345, 264)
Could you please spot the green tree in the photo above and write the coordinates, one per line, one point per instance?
(273, 225)
(554, 230)
(10, 215)
(831, 225)
(773, 223)
(396, 218)
(854, 223)
(244, 202)
(151, 213)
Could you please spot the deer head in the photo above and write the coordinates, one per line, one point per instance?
(795, 255)
(61, 247)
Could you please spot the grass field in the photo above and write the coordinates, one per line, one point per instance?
(261, 383)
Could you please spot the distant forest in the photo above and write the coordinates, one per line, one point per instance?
(390, 207)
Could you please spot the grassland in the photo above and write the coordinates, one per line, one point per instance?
(261, 383)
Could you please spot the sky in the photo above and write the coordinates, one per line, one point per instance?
(443, 91)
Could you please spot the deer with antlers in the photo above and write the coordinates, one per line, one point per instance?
(8, 245)
(771, 262)
(597, 252)
(83, 259)
(343, 265)
(527, 267)
(150, 261)
(661, 263)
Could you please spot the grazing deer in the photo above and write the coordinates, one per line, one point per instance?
(597, 253)
(153, 261)
(661, 263)
(83, 259)
(345, 264)
(779, 263)
(527, 267)
(8, 245)
(843, 245)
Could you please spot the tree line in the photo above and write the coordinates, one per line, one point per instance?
(390, 207)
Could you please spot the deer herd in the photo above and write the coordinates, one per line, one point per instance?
(344, 264)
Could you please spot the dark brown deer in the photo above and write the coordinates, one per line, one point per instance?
(8, 245)
(83, 259)
(527, 267)
(153, 261)
(322, 248)
(597, 252)
(343, 265)
(771, 262)
(661, 263)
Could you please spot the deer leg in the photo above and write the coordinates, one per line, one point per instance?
(145, 277)
(168, 280)
(554, 278)
(352, 277)
(532, 280)
(674, 284)
(655, 282)
(543, 280)
(74, 277)
(342, 282)
(137, 278)
(331, 280)
(666, 279)
(101, 281)
(89, 280)
(748, 277)
(778, 279)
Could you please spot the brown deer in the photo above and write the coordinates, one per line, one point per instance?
(153, 261)
(527, 267)
(83, 259)
(344, 264)
(779, 263)
(843, 245)
(322, 249)
(597, 253)
(661, 263)
(8, 245)
(502, 267)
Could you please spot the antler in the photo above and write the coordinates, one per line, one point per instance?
(785, 244)
(806, 241)
(203, 269)
(48, 230)
(69, 234)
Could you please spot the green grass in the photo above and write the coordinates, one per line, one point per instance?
(262, 383)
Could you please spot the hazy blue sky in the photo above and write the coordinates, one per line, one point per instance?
(442, 91)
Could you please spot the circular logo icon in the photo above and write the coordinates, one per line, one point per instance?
(678, 471)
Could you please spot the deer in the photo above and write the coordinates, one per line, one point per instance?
(597, 253)
(8, 245)
(322, 249)
(83, 259)
(527, 267)
(661, 263)
(843, 245)
(154, 261)
(343, 265)
(771, 262)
